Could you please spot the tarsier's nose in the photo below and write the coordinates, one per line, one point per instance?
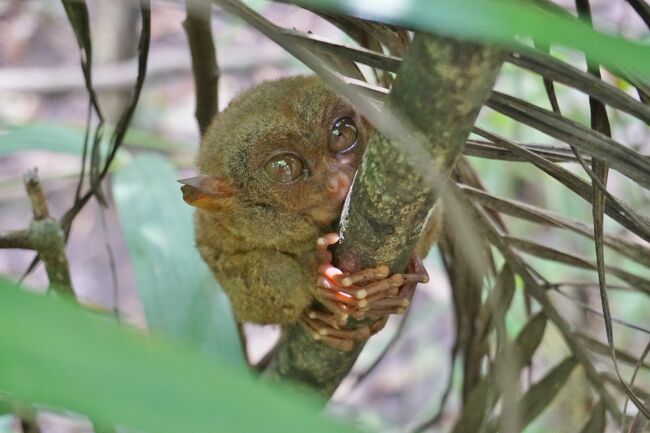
(338, 185)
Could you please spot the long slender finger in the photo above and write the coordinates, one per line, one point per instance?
(327, 284)
(330, 290)
(417, 267)
(339, 344)
(415, 278)
(327, 240)
(381, 286)
(333, 295)
(378, 314)
(325, 330)
(322, 244)
(358, 334)
(397, 302)
(393, 282)
(329, 271)
(340, 311)
(407, 291)
(378, 325)
(366, 275)
(328, 318)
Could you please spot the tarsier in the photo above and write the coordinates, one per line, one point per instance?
(275, 168)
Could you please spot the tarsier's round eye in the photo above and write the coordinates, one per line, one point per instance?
(344, 135)
(285, 168)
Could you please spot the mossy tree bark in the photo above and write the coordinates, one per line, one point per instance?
(438, 92)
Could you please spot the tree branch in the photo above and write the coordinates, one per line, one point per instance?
(438, 92)
(17, 239)
(204, 61)
(44, 236)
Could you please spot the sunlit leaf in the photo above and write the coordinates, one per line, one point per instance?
(501, 21)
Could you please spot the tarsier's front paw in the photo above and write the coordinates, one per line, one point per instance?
(368, 294)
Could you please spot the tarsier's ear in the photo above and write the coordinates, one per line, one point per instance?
(206, 192)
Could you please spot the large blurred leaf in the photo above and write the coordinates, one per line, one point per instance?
(41, 136)
(179, 294)
(54, 353)
(501, 21)
(61, 138)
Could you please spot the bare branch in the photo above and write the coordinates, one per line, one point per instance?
(18, 239)
(204, 61)
(44, 236)
(36, 195)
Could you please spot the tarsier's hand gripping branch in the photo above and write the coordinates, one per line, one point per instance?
(275, 168)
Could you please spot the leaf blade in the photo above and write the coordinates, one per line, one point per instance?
(179, 294)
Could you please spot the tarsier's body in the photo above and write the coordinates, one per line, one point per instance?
(275, 168)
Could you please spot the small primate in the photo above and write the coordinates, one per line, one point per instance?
(275, 168)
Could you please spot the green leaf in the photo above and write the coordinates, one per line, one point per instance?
(54, 353)
(597, 421)
(179, 294)
(52, 137)
(61, 138)
(484, 395)
(542, 393)
(5, 406)
(529, 339)
(502, 21)
(475, 409)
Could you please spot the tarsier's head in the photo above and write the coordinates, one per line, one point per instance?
(286, 148)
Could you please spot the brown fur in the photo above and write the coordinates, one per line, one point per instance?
(260, 243)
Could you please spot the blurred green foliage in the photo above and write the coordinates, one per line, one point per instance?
(178, 292)
(64, 357)
(56, 354)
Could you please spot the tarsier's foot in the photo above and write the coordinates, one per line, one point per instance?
(323, 326)
(368, 294)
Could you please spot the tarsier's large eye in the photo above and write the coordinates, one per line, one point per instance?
(344, 135)
(285, 168)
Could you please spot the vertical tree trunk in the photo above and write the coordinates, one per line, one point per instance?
(438, 93)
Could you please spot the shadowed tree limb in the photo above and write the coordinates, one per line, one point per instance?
(438, 93)
(204, 61)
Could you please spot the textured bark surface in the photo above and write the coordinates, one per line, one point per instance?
(439, 91)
